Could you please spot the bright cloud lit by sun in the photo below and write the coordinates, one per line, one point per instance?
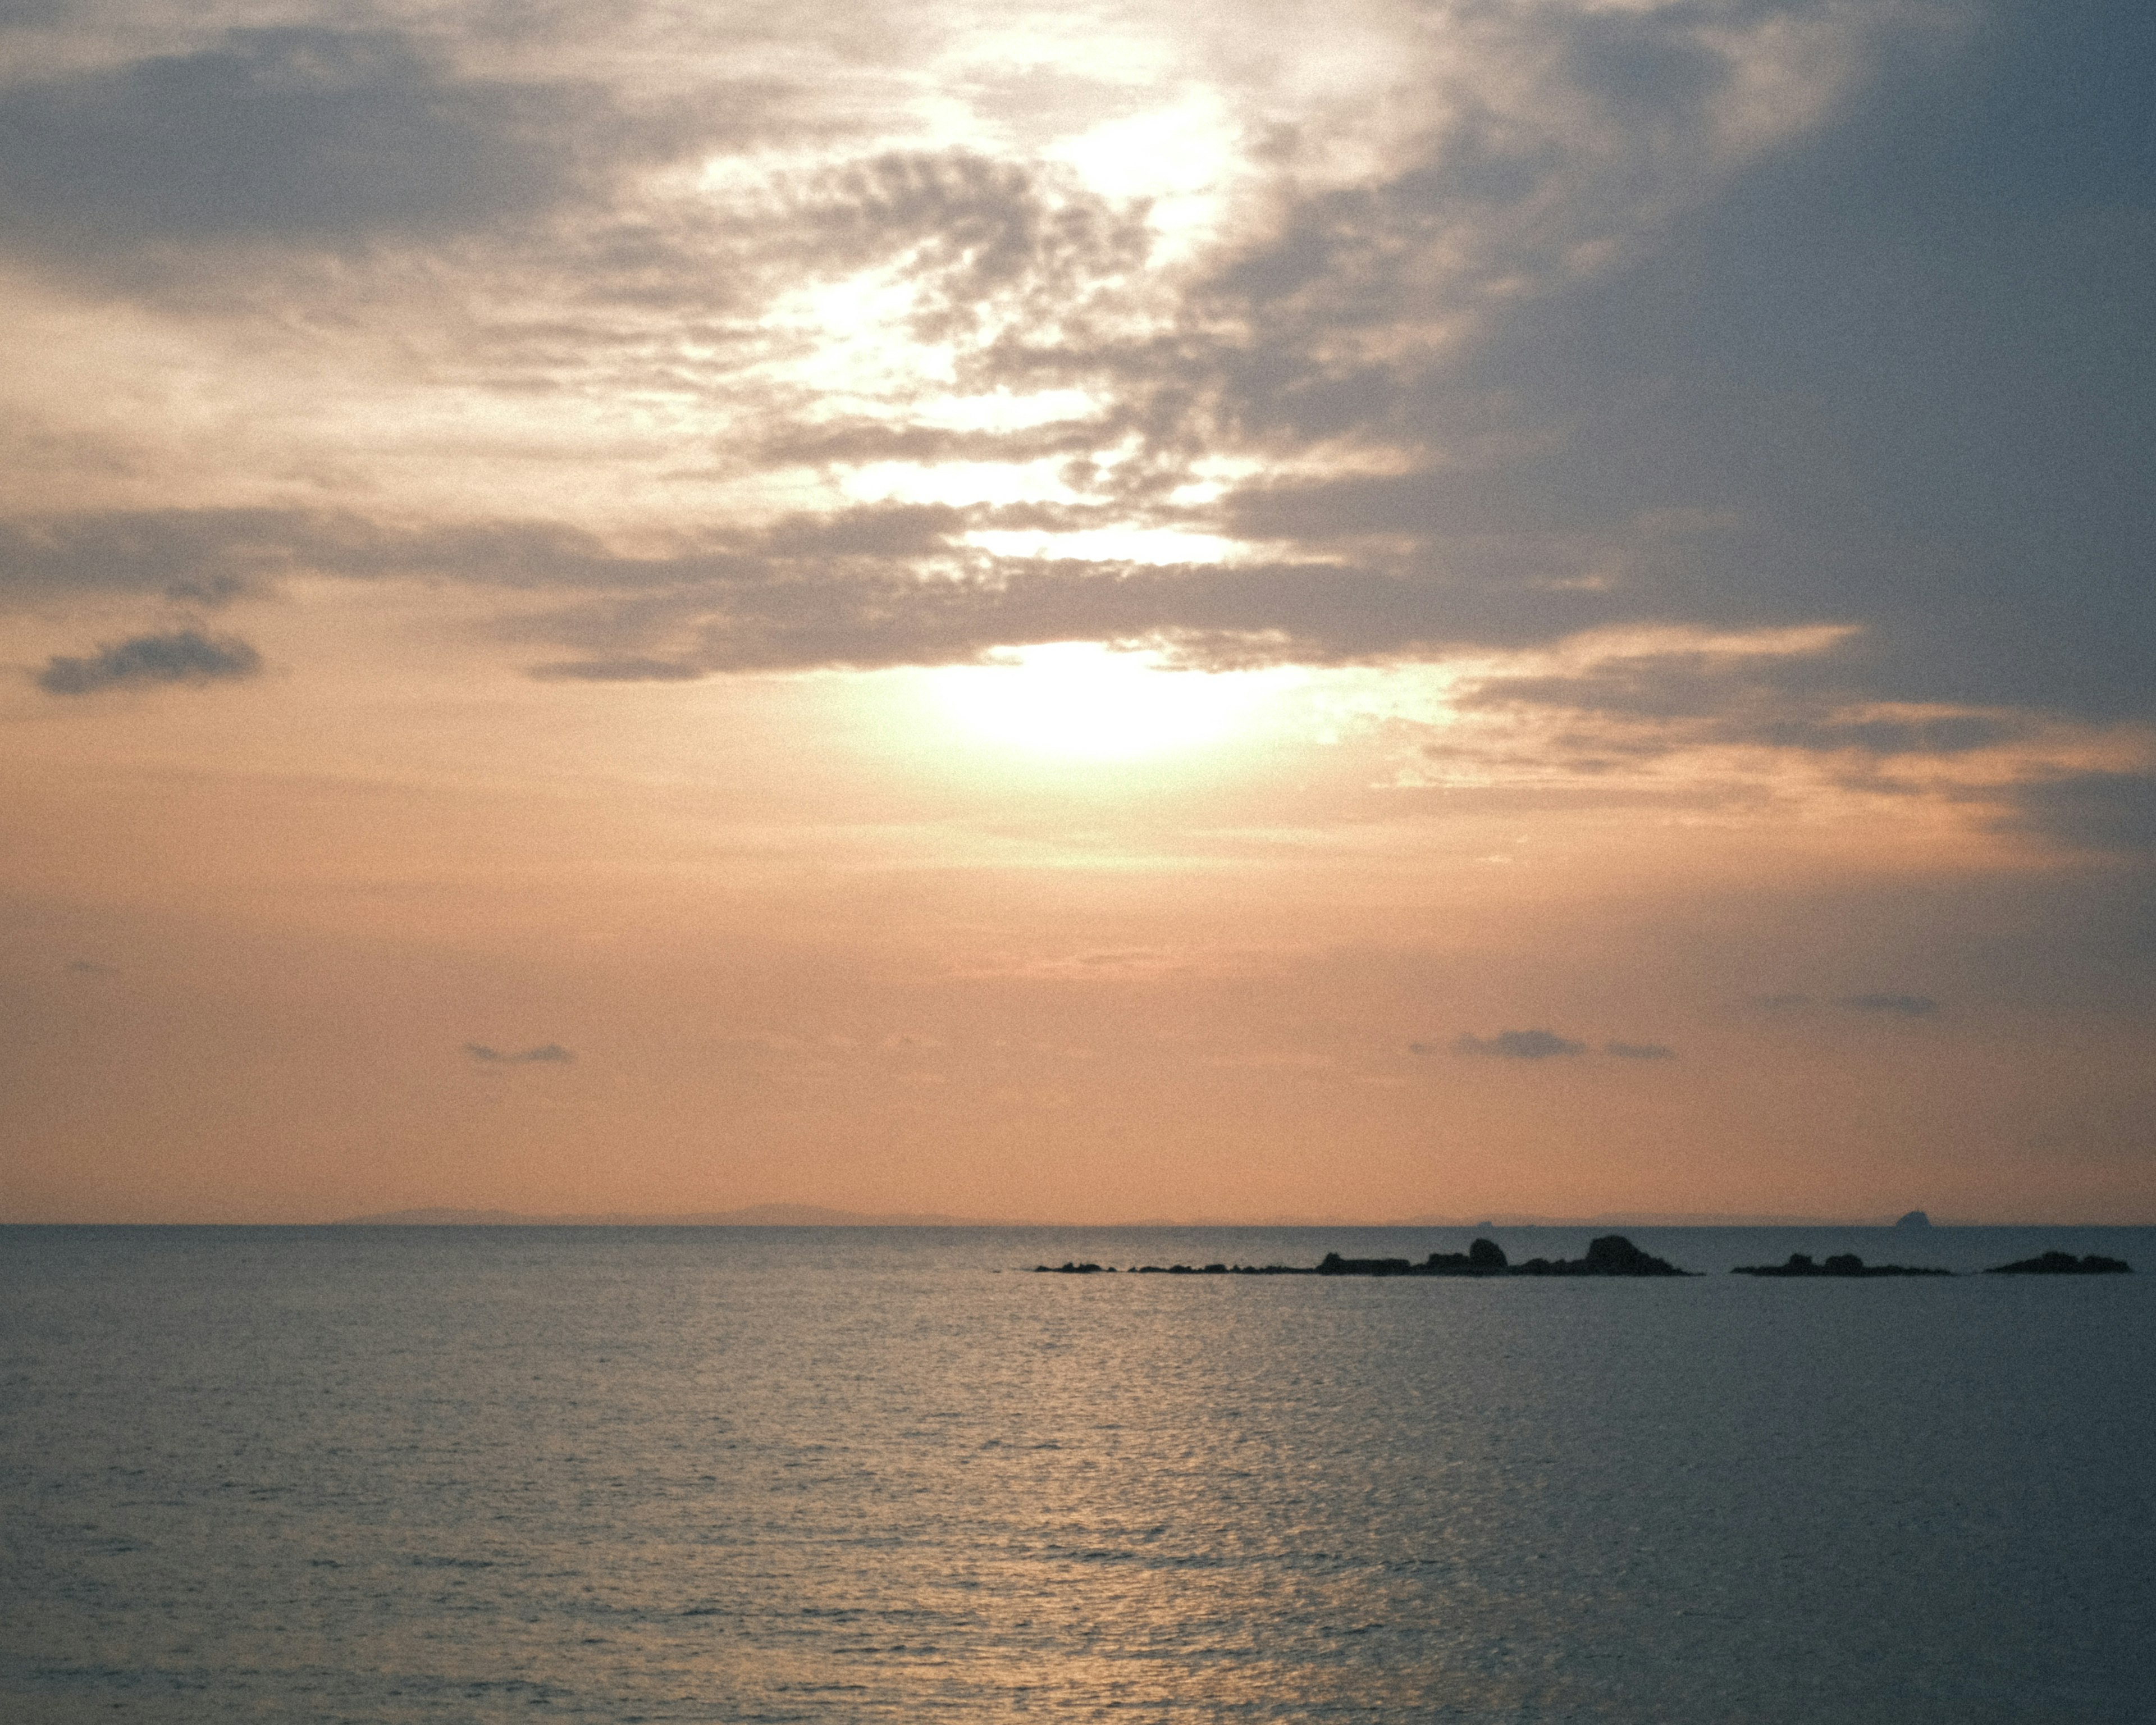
(1085, 700)
(1092, 545)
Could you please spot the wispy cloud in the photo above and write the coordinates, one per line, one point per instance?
(546, 1054)
(184, 656)
(1518, 1045)
(1907, 1006)
(617, 671)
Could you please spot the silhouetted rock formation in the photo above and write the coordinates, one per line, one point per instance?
(1070, 1269)
(1613, 1255)
(1842, 1264)
(1221, 1269)
(1914, 1219)
(2064, 1264)
(1485, 1257)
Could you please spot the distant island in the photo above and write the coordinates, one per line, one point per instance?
(756, 1215)
(2064, 1264)
(1613, 1255)
(1841, 1264)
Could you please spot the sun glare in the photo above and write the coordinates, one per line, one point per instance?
(1083, 701)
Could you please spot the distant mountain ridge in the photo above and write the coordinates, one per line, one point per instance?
(756, 1215)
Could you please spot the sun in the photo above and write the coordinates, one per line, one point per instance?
(1085, 701)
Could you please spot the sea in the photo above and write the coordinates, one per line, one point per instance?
(406, 1474)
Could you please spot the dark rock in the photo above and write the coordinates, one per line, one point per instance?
(1333, 1264)
(1914, 1219)
(2064, 1264)
(1068, 1269)
(1613, 1255)
(1841, 1264)
(1485, 1257)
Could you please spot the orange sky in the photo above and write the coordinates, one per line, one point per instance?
(1080, 618)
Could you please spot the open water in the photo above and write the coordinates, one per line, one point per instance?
(432, 1474)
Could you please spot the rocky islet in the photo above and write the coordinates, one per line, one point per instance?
(1612, 1255)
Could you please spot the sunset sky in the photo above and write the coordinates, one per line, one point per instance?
(1078, 611)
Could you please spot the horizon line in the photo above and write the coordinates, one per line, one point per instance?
(788, 1215)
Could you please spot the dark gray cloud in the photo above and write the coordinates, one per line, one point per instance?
(617, 671)
(280, 134)
(1784, 700)
(2111, 812)
(1518, 1045)
(1907, 1006)
(1639, 1051)
(546, 1054)
(200, 555)
(184, 656)
(1894, 375)
(876, 585)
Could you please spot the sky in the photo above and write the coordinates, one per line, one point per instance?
(1085, 612)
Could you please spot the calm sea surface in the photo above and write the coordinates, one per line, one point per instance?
(650, 1474)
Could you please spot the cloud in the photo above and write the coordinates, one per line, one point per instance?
(1541, 1045)
(983, 237)
(2113, 812)
(198, 553)
(1907, 1006)
(1805, 695)
(617, 671)
(1627, 330)
(1967, 481)
(546, 1054)
(290, 134)
(1518, 1045)
(185, 656)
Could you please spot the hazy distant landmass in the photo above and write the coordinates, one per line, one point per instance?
(756, 1215)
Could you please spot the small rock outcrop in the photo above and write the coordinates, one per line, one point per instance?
(1841, 1264)
(1914, 1219)
(2064, 1264)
